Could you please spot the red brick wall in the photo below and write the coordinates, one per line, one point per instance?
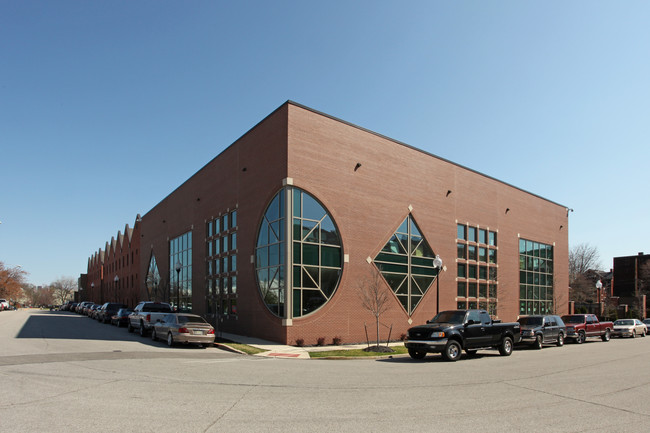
(220, 186)
(370, 203)
(121, 258)
(320, 154)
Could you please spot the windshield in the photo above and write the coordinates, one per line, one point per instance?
(456, 317)
(574, 319)
(530, 321)
(624, 322)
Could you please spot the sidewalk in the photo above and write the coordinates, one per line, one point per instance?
(277, 350)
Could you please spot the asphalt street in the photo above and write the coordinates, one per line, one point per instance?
(60, 372)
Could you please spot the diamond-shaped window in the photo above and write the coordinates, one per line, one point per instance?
(406, 263)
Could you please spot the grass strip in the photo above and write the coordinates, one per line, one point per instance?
(356, 353)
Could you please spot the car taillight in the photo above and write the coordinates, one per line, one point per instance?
(148, 317)
(183, 331)
(211, 331)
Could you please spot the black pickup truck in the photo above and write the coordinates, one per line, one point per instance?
(451, 332)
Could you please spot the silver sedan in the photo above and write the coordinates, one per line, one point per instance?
(183, 328)
(629, 328)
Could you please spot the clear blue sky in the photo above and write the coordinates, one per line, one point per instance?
(107, 106)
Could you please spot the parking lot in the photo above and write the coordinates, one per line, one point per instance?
(64, 372)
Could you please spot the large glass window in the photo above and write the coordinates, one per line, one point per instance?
(535, 277)
(152, 281)
(477, 270)
(222, 265)
(180, 272)
(315, 254)
(406, 262)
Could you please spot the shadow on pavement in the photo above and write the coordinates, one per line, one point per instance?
(71, 326)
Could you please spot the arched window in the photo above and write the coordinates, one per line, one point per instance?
(313, 252)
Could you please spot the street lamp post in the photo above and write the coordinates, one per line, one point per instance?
(116, 280)
(178, 267)
(599, 286)
(437, 263)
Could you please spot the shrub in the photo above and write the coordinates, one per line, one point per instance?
(300, 342)
(320, 341)
(336, 341)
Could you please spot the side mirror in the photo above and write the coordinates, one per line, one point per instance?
(469, 322)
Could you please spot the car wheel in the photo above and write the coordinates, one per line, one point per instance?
(170, 340)
(606, 336)
(560, 340)
(129, 327)
(581, 337)
(153, 334)
(538, 342)
(143, 331)
(416, 354)
(452, 351)
(505, 348)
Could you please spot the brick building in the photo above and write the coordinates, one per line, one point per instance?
(277, 236)
(113, 272)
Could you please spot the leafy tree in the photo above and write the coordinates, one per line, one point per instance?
(11, 281)
(63, 288)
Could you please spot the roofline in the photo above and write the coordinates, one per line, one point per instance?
(320, 113)
(419, 150)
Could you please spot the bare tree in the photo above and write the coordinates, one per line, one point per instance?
(582, 258)
(63, 288)
(374, 297)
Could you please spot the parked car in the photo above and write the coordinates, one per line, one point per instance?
(145, 314)
(121, 317)
(581, 326)
(183, 328)
(646, 322)
(450, 332)
(4, 305)
(81, 306)
(107, 310)
(93, 311)
(542, 329)
(629, 328)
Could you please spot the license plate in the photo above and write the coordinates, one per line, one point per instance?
(198, 332)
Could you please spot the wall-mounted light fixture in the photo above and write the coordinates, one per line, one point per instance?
(448, 192)
(507, 209)
(356, 167)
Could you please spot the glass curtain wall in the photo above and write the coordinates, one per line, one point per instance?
(180, 272)
(535, 277)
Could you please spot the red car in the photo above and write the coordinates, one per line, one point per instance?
(579, 327)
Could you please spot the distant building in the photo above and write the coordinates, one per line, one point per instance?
(631, 280)
(275, 236)
(113, 272)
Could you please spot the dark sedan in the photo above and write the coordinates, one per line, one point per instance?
(121, 317)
